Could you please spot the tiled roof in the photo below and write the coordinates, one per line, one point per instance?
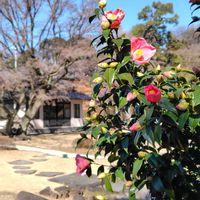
(78, 96)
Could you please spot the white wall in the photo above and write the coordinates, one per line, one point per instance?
(76, 122)
(39, 123)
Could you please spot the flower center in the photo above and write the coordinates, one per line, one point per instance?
(111, 17)
(139, 53)
(152, 92)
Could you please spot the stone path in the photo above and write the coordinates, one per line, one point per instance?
(38, 176)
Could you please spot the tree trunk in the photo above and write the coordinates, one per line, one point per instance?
(31, 112)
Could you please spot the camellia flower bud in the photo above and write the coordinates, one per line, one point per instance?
(183, 105)
(183, 95)
(113, 64)
(136, 127)
(102, 3)
(100, 197)
(92, 103)
(131, 96)
(140, 74)
(105, 24)
(101, 175)
(160, 77)
(103, 65)
(178, 68)
(94, 116)
(104, 130)
(158, 68)
(142, 154)
(88, 119)
(171, 95)
(98, 80)
(169, 74)
(128, 184)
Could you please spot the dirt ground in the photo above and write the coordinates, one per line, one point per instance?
(66, 142)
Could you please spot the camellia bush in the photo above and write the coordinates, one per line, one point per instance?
(195, 6)
(145, 119)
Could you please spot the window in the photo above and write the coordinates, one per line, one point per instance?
(77, 111)
(57, 111)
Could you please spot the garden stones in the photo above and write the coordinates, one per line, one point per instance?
(49, 174)
(21, 162)
(28, 196)
(25, 172)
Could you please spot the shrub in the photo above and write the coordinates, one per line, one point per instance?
(145, 119)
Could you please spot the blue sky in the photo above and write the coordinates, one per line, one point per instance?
(132, 7)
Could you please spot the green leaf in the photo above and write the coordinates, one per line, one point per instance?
(106, 34)
(193, 123)
(148, 112)
(172, 116)
(119, 173)
(158, 134)
(92, 18)
(132, 196)
(112, 158)
(126, 60)
(166, 104)
(109, 76)
(136, 187)
(126, 76)
(100, 169)
(107, 183)
(183, 119)
(89, 172)
(97, 89)
(157, 184)
(196, 96)
(125, 143)
(136, 166)
(96, 130)
(122, 102)
(118, 42)
(97, 12)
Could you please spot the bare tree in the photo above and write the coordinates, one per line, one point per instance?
(25, 23)
(77, 24)
(39, 81)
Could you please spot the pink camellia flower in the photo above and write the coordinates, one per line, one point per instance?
(136, 127)
(196, 70)
(182, 105)
(141, 51)
(82, 164)
(113, 17)
(131, 96)
(152, 93)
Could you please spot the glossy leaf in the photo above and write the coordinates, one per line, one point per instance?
(107, 183)
(136, 166)
(109, 76)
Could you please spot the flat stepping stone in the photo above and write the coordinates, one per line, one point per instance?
(25, 172)
(39, 159)
(28, 196)
(48, 192)
(49, 174)
(21, 162)
(21, 167)
(74, 180)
